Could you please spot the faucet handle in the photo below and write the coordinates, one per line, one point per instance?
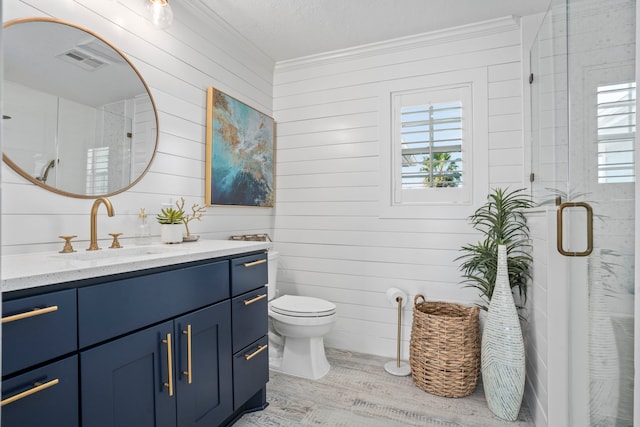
(67, 244)
(115, 244)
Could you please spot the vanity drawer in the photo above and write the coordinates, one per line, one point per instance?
(115, 308)
(47, 396)
(250, 371)
(36, 329)
(249, 317)
(248, 273)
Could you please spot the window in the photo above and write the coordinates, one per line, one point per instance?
(616, 105)
(431, 138)
(98, 170)
(432, 145)
(434, 153)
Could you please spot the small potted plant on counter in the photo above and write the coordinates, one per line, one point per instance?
(197, 214)
(171, 221)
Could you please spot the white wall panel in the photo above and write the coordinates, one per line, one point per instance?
(333, 242)
(178, 65)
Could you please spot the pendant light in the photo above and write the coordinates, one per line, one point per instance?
(159, 13)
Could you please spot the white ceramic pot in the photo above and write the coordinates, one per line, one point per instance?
(171, 233)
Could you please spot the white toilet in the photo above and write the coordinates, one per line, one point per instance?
(296, 330)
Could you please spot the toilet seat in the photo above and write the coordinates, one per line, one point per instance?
(299, 306)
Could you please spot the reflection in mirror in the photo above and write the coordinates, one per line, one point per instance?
(77, 117)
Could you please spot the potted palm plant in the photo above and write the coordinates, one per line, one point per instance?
(501, 221)
(170, 220)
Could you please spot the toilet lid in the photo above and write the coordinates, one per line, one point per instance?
(292, 305)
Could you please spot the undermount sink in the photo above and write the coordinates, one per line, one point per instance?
(108, 253)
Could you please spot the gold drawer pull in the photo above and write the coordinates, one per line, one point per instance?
(255, 353)
(27, 314)
(252, 300)
(187, 373)
(36, 388)
(251, 264)
(169, 384)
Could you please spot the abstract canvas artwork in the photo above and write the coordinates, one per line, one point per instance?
(239, 153)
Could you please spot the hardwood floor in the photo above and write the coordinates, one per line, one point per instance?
(359, 392)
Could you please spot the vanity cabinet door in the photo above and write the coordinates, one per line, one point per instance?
(46, 396)
(250, 318)
(250, 371)
(204, 366)
(248, 273)
(142, 379)
(36, 329)
(130, 382)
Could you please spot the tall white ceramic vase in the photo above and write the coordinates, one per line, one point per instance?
(503, 363)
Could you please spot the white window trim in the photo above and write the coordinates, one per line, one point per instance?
(449, 203)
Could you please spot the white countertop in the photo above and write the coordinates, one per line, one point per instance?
(31, 270)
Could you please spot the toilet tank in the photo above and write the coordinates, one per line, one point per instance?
(273, 273)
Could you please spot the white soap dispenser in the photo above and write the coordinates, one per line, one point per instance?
(143, 235)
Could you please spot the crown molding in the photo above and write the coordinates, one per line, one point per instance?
(493, 26)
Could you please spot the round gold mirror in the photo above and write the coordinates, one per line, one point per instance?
(78, 119)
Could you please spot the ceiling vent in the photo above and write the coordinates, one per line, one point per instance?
(82, 59)
(100, 50)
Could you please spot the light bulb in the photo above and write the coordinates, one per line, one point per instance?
(159, 13)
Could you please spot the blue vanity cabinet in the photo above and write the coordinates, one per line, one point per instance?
(181, 345)
(249, 331)
(39, 365)
(138, 372)
(177, 373)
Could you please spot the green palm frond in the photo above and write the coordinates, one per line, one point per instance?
(501, 220)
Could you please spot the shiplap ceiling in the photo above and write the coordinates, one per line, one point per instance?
(287, 29)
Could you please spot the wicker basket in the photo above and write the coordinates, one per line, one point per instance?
(444, 351)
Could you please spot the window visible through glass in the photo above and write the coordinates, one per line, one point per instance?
(616, 105)
(97, 170)
(431, 138)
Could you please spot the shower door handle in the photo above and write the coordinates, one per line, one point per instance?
(589, 210)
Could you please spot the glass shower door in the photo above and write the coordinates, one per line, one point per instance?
(583, 135)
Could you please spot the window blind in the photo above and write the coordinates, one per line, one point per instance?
(616, 105)
(431, 138)
(98, 170)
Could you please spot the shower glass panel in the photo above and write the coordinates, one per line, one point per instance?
(583, 101)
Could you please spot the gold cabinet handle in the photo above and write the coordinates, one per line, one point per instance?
(169, 384)
(251, 264)
(589, 228)
(255, 353)
(37, 387)
(187, 373)
(27, 314)
(255, 299)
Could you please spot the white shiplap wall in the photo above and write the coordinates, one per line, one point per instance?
(178, 65)
(329, 232)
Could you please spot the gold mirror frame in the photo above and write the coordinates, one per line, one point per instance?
(31, 178)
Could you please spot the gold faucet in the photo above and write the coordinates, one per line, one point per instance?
(93, 246)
